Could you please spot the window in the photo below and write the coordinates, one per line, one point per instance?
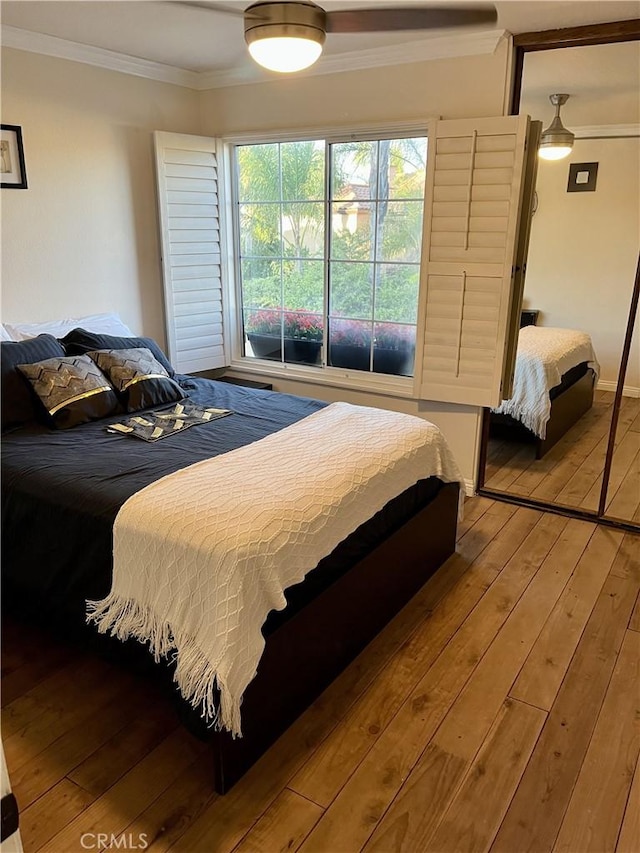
(297, 227)
(329, 240)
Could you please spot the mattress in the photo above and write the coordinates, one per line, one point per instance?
(61, 492)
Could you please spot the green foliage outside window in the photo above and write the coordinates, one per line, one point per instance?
(374, 218)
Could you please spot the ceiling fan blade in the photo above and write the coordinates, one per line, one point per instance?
(408, 18)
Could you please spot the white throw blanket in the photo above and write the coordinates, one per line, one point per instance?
(202, 555)
(544, 355)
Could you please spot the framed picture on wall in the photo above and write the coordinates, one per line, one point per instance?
(582, 177)
(13, 174)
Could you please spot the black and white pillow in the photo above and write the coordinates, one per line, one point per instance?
(71, 389)
(138, 377)
(80, 342)
(18, 405)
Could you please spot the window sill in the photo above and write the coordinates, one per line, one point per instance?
(378, 383)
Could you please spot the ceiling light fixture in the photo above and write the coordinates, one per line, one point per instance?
(285, 37)
(556, 141)
(289, 36)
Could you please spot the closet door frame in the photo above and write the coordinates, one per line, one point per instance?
(618, 31)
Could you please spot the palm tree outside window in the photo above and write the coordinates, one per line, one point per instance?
(330, 236)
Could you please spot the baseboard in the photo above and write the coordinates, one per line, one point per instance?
(627, 390)
(469, 488)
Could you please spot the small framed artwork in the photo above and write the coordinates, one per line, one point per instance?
(582, 177)
(13, 174)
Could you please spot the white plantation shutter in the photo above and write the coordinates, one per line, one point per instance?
(474, 187)
(188, 202)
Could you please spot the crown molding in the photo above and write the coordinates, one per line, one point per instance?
(443, 47)
(605, 131)
(101, 58)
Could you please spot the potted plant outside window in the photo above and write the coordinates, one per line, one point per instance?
(349, 341)
(301, 331)
(393, 346)
(350, 344)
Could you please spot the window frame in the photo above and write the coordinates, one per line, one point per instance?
(380, 383)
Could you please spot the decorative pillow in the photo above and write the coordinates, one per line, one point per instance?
(80, 341)
(108, 324)
(139, 379)
(72, 389)
(18, 403)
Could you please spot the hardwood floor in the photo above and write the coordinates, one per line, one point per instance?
(497, 712)
(571, 472)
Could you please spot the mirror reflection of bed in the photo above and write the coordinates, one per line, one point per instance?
(558, 455)
(581, 263)
(570, 473)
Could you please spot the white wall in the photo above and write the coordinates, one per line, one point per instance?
(462, 87)
(584, 250)
(602, 82)
(83, 237)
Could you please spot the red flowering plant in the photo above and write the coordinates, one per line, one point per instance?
(354, 333)
(302, 325)
(385, 335)
(296, 324)
(307, 327)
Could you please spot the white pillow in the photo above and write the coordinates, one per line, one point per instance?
(4, 335)
(106, 324)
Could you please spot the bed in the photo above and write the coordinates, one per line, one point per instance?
(555, 375)
(64, 489)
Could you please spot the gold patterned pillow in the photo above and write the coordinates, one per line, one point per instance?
(138, 377)
(72, 389)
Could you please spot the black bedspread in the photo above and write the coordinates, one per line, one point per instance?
(61, 490)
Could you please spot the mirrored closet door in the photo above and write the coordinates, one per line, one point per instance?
(579, 284)
(621, 499)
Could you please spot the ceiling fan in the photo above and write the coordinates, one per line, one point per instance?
(288, 36)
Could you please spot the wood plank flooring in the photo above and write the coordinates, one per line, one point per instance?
(498, 712)
(571, 472)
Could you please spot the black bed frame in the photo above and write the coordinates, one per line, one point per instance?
(569, 402)
(566, 409)
(304, 654)
(309, 642)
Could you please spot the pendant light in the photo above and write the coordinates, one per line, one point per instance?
(556, 141)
